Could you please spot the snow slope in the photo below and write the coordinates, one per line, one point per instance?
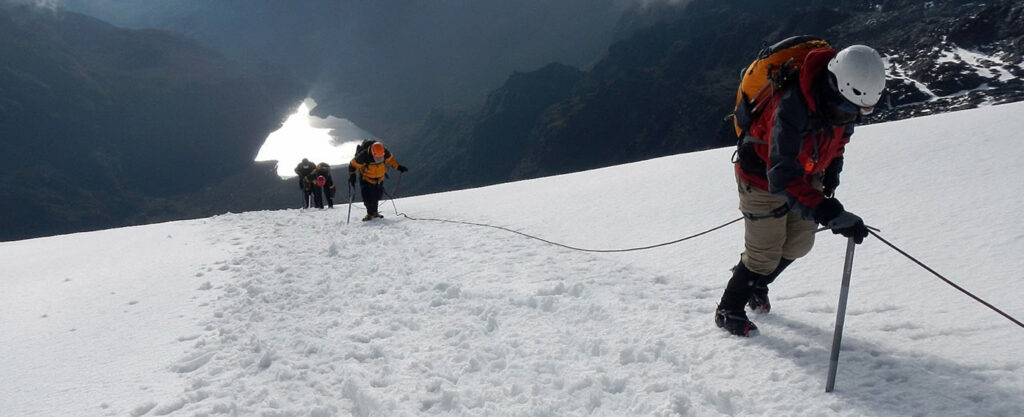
(296, 313)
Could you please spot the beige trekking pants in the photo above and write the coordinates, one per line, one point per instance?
(767, 240)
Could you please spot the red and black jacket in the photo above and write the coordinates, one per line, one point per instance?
(793, 140)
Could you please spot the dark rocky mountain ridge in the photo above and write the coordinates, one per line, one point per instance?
(104, 126)
(666, 88)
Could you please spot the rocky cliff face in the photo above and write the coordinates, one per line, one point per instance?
(949, 56)
(461, 150)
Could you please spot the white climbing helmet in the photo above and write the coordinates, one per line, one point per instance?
(860, 75)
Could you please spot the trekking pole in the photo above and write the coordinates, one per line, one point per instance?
(348, 219)
(837, 336)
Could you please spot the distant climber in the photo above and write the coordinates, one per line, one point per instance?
(303, 170)
(324, 180)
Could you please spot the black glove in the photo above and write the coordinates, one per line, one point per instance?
(849, 225)
(402, 168)
(830, 213)
(352, 180)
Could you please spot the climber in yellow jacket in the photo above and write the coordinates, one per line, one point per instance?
(371, 163)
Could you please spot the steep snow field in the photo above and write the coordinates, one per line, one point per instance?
(296, 313)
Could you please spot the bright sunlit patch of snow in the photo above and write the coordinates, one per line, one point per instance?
(985, 65)
(897, 72)
(331, 140)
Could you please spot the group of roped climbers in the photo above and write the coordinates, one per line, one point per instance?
(316, 184)
(369, 167)
(787, 167)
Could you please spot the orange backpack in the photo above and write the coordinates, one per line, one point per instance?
(775, 66)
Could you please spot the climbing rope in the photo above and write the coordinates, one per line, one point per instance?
(947, 281)
(399, 182)
(568, 246)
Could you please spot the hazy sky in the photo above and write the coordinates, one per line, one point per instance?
(412, 54)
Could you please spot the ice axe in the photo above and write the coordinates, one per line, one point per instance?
(837, 336)
(844, 292)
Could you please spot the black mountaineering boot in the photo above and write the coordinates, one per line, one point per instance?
(735, 322)
(730, 314)
(758, 301)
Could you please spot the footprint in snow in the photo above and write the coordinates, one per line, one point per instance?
(192, 362)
